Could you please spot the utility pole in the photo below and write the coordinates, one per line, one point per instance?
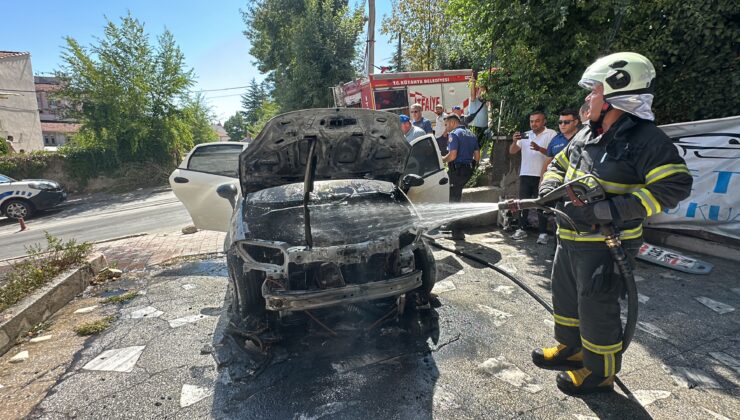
(371, 37)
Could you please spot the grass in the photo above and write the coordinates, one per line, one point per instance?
(40, 267)
(125, 297)
(94, 327)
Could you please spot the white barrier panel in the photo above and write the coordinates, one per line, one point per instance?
(711, 149)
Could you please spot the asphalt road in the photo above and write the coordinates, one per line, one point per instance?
(468, 359)
(97, 218)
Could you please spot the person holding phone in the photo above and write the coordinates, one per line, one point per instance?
(532, 144)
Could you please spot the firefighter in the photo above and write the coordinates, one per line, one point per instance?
(642, 174)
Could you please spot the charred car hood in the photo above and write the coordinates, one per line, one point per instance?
(350, 144)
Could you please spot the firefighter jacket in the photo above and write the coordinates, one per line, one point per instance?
(633, 158)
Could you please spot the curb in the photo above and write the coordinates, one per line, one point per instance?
(44, 302)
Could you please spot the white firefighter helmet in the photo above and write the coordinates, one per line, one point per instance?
(628, 79)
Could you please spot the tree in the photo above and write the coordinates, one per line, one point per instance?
(267, 110)
(236, 126)
(134, 96)
(541, 48)
(199, 117)
(252, 100)
(304, 46)
(422, 27)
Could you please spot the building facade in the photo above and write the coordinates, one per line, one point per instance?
(20, 126)
(55, 127)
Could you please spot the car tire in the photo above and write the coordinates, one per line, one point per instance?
(17, 209)
(247, 301)
(424, 261)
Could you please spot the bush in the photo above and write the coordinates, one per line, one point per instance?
(25, 165)
(83, 163)
(40, 267)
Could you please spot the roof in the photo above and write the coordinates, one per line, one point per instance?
(6, 54)
(46, 87)
(58, 127)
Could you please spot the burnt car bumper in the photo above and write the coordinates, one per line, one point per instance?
(299, 300)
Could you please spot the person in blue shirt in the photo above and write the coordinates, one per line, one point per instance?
(568, 125)
(462, 159)
(419, 121)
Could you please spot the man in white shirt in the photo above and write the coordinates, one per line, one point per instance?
(409, 130)
(529, 143)
(440, 132)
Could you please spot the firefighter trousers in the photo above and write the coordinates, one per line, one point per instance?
(586, 288)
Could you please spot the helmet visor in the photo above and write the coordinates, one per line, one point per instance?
(588, 84)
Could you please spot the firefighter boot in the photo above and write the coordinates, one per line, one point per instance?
(583, 381)
(560, 355)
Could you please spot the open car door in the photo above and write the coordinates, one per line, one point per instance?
(426, 161)
(195, 182)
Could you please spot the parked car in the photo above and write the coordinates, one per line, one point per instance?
(22, 199)
(320, 214)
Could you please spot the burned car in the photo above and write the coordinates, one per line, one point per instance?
(322, 217)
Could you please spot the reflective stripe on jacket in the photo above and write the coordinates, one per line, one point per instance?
(634, 157)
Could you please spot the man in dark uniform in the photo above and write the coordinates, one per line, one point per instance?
(642, 174)
(463, 157)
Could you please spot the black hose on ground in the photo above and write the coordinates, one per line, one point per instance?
(624, 269)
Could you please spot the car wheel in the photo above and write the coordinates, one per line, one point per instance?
(17, 209)
(247, 301)
(424, 261)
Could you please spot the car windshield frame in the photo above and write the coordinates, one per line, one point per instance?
(4, 179)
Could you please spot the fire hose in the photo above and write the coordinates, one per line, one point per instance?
(581, 191)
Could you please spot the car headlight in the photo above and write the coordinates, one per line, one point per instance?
(42, 185)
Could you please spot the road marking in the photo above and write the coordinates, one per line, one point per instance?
(86, 310)
(178, 322)
(20, 357)
(191, 394)
(642, 298)
(443, 286)
(116, 360)
(649, 396)
(189, 286)
(40, 339)
(652, 329)
(691, 378)
(506, 290)
(727, 360)
(719, 307)
(499, 317)
(499, 368)
(715, 415)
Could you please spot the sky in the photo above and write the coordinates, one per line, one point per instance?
(209, 33)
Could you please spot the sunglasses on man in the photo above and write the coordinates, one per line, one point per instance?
(566, 122)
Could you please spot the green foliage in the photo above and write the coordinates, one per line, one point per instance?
(83, 163)
(268, 110)
(422, 27)
(4, 149)
(41, 266)
(541, 49)
(305, 46)
(25, 165)
(252, 100)
(133, 95)
(94, 327)
(236, 126)
(122, 298)
(197, 117)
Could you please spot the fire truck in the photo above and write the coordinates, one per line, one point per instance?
(395, 92)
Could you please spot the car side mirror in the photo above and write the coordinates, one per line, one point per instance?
(411, 180)
(228, 191)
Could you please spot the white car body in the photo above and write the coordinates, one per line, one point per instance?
(21, 199)
(209, 165)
